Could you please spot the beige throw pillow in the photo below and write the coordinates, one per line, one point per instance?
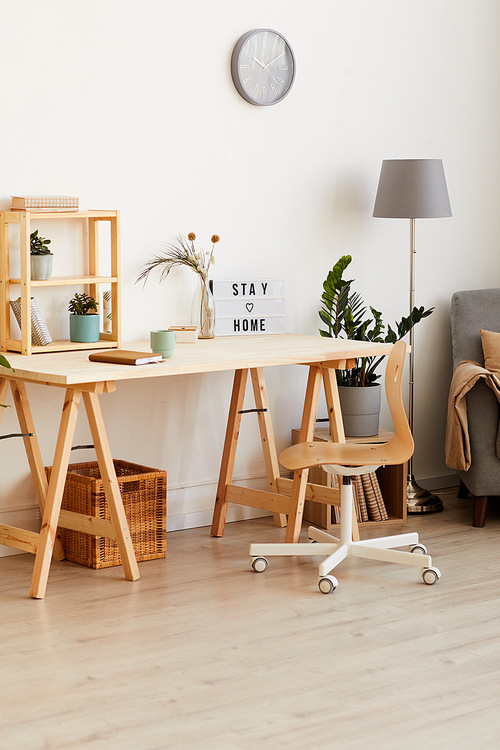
(491, 349)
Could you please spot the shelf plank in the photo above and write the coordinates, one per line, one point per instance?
(13, 216)
(70, 280)
(14, 345)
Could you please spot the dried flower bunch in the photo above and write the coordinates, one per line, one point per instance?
(182, 254)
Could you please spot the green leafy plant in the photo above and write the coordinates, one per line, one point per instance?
(4, 363)
(38, 245)
(345, 315)
(82, 304)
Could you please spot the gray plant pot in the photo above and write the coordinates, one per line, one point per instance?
(360, 410)
(41, 266)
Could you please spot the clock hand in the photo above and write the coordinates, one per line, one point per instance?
(274, 79)
(270, 63)
(260, 63)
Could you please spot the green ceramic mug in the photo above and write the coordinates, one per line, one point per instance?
(163, 342)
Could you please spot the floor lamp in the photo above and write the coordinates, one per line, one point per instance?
(413, 189)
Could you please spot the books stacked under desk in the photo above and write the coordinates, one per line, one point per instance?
(391, 481)
(368, 499)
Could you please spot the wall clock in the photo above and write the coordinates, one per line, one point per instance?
(262, 67)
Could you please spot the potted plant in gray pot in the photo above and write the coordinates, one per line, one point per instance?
(346, 316)
(40, 257)
(84, 319)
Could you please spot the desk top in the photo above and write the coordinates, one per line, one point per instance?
(206, 355)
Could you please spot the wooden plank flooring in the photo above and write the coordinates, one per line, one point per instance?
(203, 653)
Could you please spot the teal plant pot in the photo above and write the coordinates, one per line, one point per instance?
(84, 328)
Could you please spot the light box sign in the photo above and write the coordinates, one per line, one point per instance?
(246, 307)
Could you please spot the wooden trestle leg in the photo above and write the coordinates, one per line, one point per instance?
(306, 435)
(55, 491)
(267, 437)
(44, 544)
(111, 487)
(229, 452)
(33, 453)
(284, 498)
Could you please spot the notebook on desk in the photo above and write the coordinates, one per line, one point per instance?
(125, 357)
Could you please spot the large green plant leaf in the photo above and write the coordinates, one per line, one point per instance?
(4, 362)
(344, 314)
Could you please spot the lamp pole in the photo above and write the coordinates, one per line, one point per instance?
(413, 189)
(418, 499)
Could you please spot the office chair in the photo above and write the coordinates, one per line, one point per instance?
(349, 460)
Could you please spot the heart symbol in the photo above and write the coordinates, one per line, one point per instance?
(249, 306)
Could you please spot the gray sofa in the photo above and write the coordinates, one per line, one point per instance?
(471, 311)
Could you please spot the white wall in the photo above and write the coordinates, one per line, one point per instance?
(130, 105)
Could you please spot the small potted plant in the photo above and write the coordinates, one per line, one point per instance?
(84, 319)
(40, 257)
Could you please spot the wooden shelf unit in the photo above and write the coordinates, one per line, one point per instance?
(392, 481)
(91, 280)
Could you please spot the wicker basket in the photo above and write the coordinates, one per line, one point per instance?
(143, 492)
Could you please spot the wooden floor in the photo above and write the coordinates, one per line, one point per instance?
(203, 653)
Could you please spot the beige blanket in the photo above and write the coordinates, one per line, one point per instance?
(457, 444)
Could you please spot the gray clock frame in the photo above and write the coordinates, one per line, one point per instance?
(235, 71)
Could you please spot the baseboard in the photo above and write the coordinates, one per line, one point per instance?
(204, 518)
(439, 483)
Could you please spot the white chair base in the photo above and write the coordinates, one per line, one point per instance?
(337, 549)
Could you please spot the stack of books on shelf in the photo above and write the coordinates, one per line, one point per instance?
(45, 203)
(40, 335)
(368, 500)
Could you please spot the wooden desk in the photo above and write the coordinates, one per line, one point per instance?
(88, 380)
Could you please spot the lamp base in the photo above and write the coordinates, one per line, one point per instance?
(419, 500)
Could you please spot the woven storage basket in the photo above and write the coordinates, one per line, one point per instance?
(143, 492)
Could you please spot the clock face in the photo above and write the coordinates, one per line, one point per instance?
(262, 67)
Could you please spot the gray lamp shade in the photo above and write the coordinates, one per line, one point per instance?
(412, 189)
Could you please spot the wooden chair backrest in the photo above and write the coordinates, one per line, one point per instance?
(402, 442)
(396, 451)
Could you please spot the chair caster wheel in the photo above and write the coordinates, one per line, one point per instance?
(259, 564)
(431, 575)
(327, 584)
(418, 549)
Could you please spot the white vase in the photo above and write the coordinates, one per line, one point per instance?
(203, 310)
(41, 266)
